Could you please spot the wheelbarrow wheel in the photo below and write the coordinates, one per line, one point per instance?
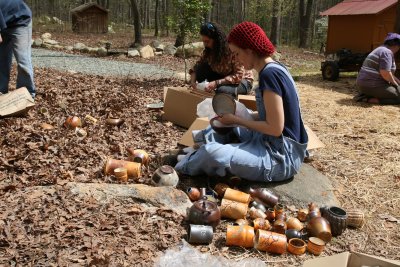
(330, 71)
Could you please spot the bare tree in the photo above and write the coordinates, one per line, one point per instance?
(136, 23)
(276, 22)
(305, 21)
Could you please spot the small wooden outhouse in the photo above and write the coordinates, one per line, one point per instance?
(89, 18)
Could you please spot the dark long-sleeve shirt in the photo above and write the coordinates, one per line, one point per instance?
(14, 13)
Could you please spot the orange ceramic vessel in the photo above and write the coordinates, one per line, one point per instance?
(220, 188)
(241, 222)
(138, 155)
(302, 215)
(270, 214)
(270, 242)
(133, 168)
(262, 224)
(121, 174)
(315, 245)
(72, 122)
(241, 235)
(279, 226)
(296, 246)
(233, 210)
(294, 223)
(319, 227)
(236, 195)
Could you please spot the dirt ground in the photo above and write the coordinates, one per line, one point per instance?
(361, 157)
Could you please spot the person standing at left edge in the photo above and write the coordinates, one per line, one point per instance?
(15, 38)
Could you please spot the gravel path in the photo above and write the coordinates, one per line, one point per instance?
(97, 66)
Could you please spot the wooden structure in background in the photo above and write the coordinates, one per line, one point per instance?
(359, 26)
(89, 18)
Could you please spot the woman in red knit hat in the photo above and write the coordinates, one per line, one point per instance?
(271, 148)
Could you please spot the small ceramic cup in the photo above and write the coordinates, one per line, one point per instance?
(296, 246)
(193, 193)
(315, 246)
(200, 234)
(260, 223)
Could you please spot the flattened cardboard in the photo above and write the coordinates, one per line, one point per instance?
(16, 103)
(313, 140)
(347, 259)
(198, 124)
(249, 101)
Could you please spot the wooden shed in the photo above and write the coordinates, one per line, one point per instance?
(358, 25)
(89, 18)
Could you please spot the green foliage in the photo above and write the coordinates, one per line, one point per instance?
(188, 17)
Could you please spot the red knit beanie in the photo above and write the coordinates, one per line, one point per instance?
(250, 35)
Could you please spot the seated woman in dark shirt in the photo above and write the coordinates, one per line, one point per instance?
(218, 65)
(270, 149)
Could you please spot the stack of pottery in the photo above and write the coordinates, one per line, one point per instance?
(234, 205)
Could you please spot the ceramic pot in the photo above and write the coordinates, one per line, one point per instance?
(90, 119)
(266, 197)
(262, 224)
(220, 188)
(291, 233)
(241, 235)
(165, 176)
(313, 211)
(204, 212)
(115, 122)
(241, 222)
(72, 122)
(319, 227)
(256, 204)
(279, 209)
(296, 246)
(280, 216)
(233, 210)
(138, 155)
(355, 218)
(294, 223)
(315, 245)
(270, 214)
(193, 193)
(256, 213)
(279, 226)
(302, 215)
(121, 174)
(236, 195)
(270, 242)
(200, 234)
(133, 168)
(234, 181)
(216, 126)
(337, 218)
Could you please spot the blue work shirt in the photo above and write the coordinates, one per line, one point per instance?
(14, 13)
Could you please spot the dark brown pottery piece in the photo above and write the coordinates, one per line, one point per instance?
(204, 212)
(265, 196)
(337, 218)
(200, 234)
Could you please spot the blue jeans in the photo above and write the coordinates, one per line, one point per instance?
(17, 41)
(258, 157)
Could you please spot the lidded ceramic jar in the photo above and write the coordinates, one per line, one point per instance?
(204, 212)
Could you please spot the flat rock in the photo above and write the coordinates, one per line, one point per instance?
(167, 197)
(309, 185)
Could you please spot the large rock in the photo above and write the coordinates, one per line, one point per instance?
(37, 42)
(79, 47)
(102, 52)
(46, 36)
(167, 197)
(169, 50)
(146, 52)
(190, 50)
(133, 53)
(309, 185)
(50, 42)
(155, 43)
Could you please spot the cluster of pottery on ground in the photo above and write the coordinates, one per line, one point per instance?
(271, 229)
(132, 166)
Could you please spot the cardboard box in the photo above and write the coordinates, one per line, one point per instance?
(202, 123)
(347, 259)
(16, 103)
(180, 105)
(249, 101)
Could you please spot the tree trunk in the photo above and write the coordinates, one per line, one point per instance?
(156, 19)
(397, 24)
(305, 21)
(136, 23)
(276, 22)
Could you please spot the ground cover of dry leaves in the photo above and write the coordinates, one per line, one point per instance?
(51, 228)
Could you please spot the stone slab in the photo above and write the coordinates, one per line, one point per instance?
(309, 185)
(167, 197)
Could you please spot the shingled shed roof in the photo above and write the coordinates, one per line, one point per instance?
(86, 6)
(359, 7)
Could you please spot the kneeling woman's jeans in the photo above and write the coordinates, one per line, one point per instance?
(17, 41)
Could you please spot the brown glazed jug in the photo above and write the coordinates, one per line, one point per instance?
(204, 212)
(264, 196)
